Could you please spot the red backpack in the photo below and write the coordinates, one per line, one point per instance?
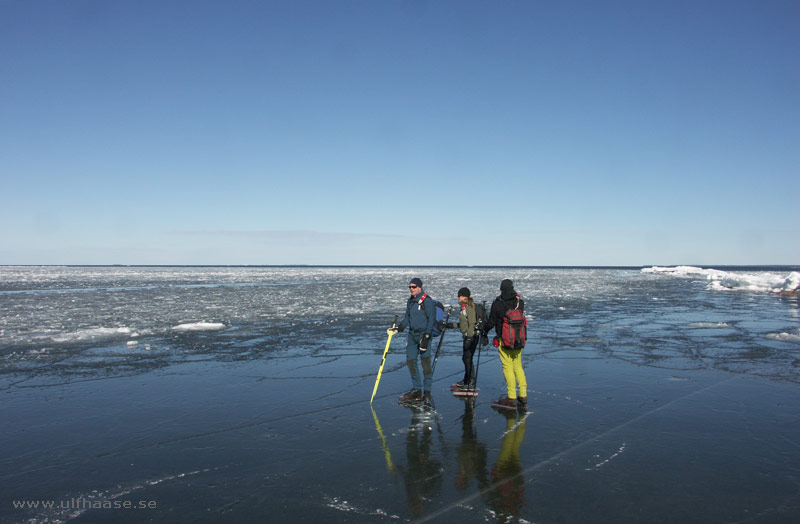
(514, 331)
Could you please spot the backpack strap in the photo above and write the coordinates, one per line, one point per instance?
(421, 300)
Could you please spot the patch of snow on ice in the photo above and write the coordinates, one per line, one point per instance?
(199, 326)
(785, 337)
(92, 334)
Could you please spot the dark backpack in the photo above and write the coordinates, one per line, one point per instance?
(514, 332)
(438, 307)
(480, 314)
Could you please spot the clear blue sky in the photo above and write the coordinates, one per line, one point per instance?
(389, 132)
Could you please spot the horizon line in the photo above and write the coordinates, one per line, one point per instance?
(443, 266)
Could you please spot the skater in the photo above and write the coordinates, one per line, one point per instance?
(467, 323)
(419, 318)
(510, 358)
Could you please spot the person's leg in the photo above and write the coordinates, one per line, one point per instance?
(508, 372)
(466, 358)
(519, 373)
(427, 372)
(412, 352)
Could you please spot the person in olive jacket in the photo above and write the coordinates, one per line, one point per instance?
(467, 323)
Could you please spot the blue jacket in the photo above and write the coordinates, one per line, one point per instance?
(419, 317)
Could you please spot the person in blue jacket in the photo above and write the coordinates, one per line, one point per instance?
(419, 318)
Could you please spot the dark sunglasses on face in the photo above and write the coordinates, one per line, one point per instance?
(412, 287)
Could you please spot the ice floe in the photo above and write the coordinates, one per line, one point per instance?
(785, 337)
(94, 334)
(199, 326)
(727, 280)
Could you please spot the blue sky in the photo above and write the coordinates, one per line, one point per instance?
(389, 132)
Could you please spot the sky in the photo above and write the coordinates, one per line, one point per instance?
(400, 132)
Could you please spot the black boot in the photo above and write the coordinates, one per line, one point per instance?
(412, 396)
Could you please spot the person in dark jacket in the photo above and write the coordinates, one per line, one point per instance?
(419, 318)
(511, 359)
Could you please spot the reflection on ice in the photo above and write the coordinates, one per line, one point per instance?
(506, 490)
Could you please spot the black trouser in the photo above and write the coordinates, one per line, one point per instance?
(470, 343)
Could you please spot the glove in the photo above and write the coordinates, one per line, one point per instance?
(484, 340)
(423, 342)
(392, 330)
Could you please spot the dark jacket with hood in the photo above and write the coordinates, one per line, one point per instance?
(507, 300)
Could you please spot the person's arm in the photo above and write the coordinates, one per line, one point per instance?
(430, 315)
(404, 322)
(491, 322)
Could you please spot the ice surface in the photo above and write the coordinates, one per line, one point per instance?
(258, 408)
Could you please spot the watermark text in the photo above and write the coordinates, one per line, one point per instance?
(81, 503)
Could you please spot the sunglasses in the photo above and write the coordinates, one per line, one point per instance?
(412, 286)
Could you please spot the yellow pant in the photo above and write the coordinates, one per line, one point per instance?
(511, 359)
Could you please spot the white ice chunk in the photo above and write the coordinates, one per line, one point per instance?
(92, 334)
(785, 337)
(199, 326)
(726, 280)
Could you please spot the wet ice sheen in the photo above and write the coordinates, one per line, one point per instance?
(244, 396)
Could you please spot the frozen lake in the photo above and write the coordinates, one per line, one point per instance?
(242, 395)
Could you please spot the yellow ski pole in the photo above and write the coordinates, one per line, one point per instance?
(383, 361)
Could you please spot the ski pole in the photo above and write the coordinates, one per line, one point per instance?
(383, 361)
(441, 339)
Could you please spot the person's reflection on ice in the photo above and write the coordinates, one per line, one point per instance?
(506, 494)
(422, 473)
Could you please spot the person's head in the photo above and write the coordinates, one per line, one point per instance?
(507, 288)
(415, 286)
(464, 296)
